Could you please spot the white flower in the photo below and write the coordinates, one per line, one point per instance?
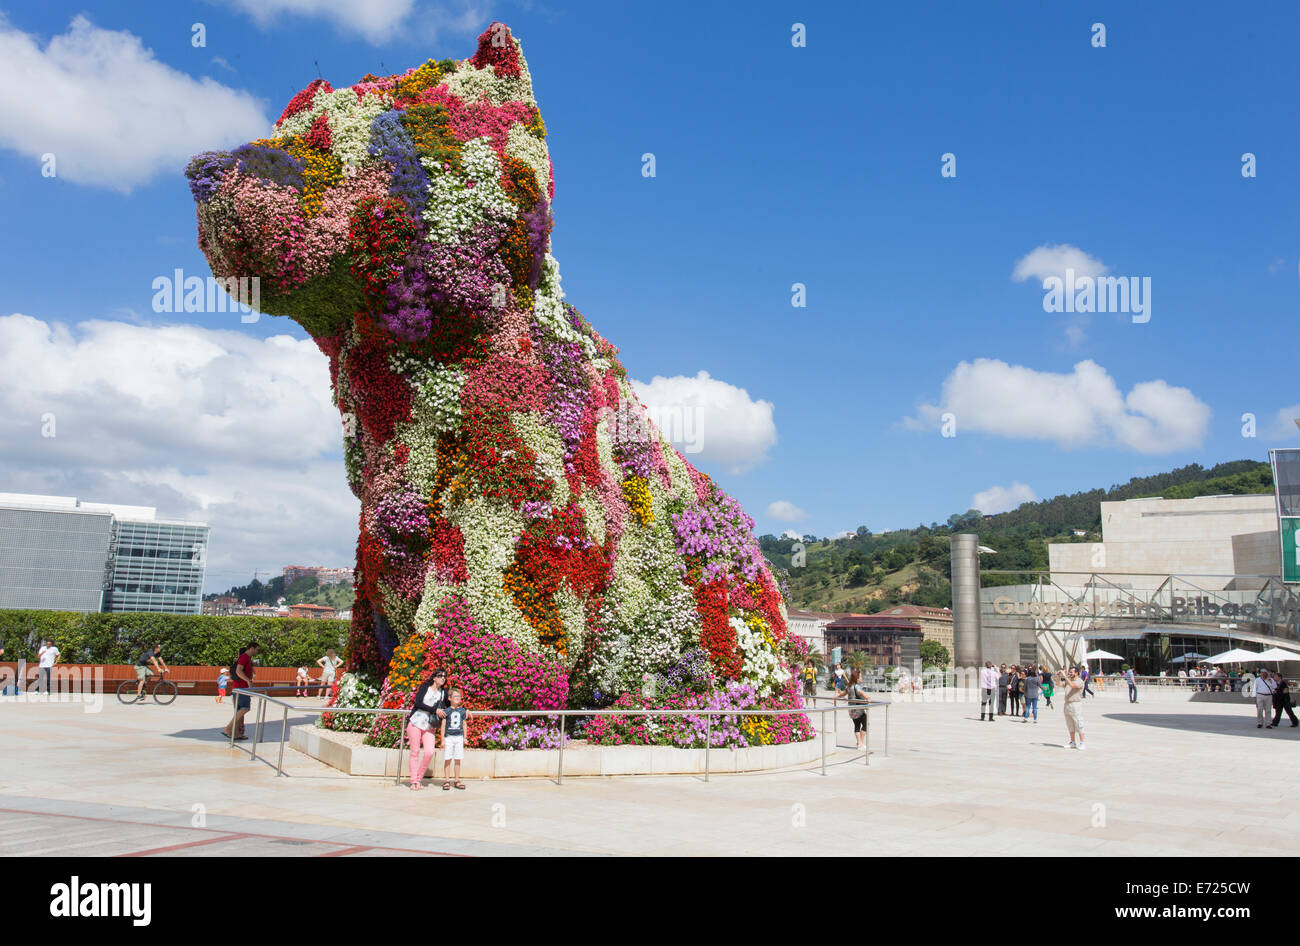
(544, 440)
(649, 614)
(762, 666)
(456, 205)
(471, 84)
(548, 306)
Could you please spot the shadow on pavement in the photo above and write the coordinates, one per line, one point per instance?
(1242, 725)
(270, 731)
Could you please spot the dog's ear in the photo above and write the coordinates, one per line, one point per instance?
(500, 50)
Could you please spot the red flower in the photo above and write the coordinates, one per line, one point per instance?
(496, 48)
(382, 397)
(304, 98)
(318, 136)
(447, 553)
(717, 636)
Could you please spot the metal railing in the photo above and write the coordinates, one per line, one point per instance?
(838, 705)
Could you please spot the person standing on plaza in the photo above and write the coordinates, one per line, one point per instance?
(46, 658)
(1016, 689)
(988, 688)
(856, 697)
(242, 680)
(1263, 698)
(1032, 684)
(1282, 702)
(427, 715)
(329, 665)
(1048, 688)
(453, 739)
(809, 679)
(837, 678)
(1086, 676)
(1004, 681)
(1073, 707)
(1131, 679)
(223, 680)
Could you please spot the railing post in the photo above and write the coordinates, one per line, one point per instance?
(708, 741)
(284, 732)
(257, 727)
(866, 721)
(560, 781)
(823, 735)
(401, 744)
(886, 730)
(234, 713)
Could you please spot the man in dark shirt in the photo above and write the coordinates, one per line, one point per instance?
(240, 679)
(1004, 681)
(150, 658)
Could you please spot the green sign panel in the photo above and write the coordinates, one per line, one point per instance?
(1286, 490)
(1290, 529)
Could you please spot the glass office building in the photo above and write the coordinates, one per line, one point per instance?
(158, 566)
(54, 557)
(57, 553)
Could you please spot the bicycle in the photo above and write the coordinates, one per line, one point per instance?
(162, 690)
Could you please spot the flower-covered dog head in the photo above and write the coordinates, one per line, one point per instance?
(417, 204)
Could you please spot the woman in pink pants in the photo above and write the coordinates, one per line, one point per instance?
(423, 723)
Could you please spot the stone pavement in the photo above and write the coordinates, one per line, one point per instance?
(1159, 777)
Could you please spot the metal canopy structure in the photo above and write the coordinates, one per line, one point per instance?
(1068, 608)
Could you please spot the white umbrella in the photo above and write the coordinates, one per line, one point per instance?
(1277, 654)
(1101, 655)
(1234, 656)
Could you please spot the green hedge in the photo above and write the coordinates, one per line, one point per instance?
(119, 638)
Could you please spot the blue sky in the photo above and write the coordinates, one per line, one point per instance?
(775, 165)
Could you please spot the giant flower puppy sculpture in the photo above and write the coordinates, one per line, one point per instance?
(514, 495)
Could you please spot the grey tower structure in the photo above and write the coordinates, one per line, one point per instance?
(966, 629)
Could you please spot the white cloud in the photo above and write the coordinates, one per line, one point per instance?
(1053, 259)
(110, 113)
(376, 20)
(1081, 408)
(1284, 422)
(998, 499)
(785, 511)
(710, 420)
(213, 425)
(792, 534)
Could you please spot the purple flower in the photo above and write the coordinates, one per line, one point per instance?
(205, 172)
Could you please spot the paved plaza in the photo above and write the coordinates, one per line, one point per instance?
(1165, 776)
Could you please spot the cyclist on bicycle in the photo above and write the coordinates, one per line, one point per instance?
(151, 657)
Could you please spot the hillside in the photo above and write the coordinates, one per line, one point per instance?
(306, 590)
(869, 572)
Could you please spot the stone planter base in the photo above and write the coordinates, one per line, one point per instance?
(344, 752)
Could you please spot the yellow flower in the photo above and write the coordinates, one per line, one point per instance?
(637, 494)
